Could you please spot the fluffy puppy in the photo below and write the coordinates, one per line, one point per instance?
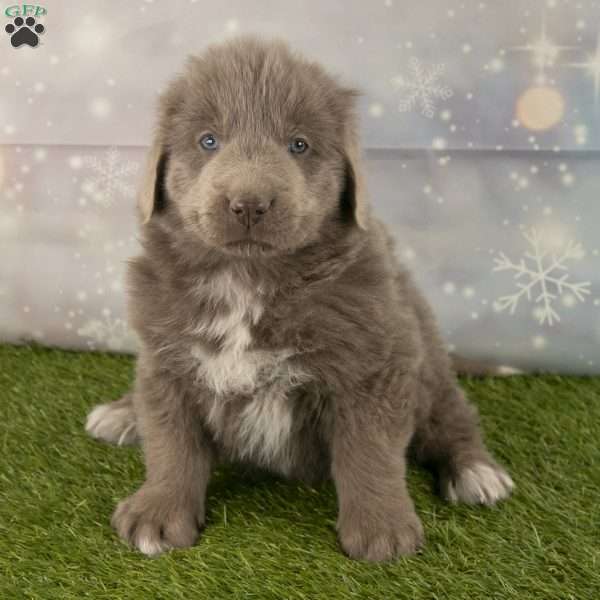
(276, 326)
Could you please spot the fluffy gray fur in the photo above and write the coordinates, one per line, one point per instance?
(277, 327)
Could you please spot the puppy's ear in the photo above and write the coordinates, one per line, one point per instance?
(153, 193)
(355, 190)
(152, 196)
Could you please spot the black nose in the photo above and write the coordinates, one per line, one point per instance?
(249, 211)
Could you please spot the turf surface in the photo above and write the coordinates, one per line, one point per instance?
(266, 538)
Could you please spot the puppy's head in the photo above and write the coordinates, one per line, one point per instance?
(256, 151)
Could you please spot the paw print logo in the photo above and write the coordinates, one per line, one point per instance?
(24, 32)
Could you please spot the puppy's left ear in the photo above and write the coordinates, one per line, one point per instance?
(152, 195)
(355, 189)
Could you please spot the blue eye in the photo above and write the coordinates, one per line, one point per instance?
(298, 146)
(209, 142)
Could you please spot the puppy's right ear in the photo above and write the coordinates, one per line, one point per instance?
(153, 195)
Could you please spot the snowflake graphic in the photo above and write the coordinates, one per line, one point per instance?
(111, 177)
(422, 87)
(111, 333)
(542, 278)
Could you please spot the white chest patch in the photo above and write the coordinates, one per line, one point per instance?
(263, 427)
(234, 368)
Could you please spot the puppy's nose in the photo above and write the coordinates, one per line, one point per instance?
(249, 211)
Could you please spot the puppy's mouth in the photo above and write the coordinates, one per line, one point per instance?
(249, 246)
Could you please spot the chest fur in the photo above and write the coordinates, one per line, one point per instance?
(251, 411)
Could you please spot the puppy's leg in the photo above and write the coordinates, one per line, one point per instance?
(450, 441)
(377, 519)
(168, 510)
(113, 422)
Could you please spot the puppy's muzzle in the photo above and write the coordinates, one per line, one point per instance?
(249, 210)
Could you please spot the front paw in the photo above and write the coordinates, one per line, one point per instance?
(377, 540)
(153, 521)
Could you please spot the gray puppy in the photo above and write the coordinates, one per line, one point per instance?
(276, 326)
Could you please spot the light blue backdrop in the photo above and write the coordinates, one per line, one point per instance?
(481, 127)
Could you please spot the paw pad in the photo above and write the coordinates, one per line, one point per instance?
(24, 31)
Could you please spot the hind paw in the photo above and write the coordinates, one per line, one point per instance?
(478, 483)
(112, 423)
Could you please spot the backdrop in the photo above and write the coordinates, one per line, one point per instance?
(481, 128)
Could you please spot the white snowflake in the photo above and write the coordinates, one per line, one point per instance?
(542, 277)
(111, 333)
(111, 177)
(422, 87)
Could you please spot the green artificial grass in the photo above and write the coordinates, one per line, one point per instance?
(267, 538)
